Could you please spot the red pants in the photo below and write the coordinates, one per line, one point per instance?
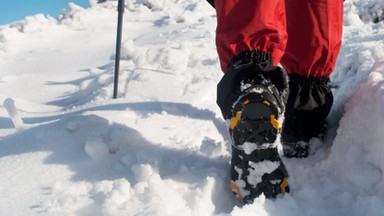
(303, 35)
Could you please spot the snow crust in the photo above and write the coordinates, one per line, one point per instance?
(162, 147)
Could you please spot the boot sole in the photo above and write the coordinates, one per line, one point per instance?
(256, 166)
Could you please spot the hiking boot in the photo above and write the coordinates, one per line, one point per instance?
(308, 105)
(256, 166)
(256, 105)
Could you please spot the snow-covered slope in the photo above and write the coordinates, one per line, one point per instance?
(162, 148)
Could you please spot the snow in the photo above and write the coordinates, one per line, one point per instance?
(161, 148)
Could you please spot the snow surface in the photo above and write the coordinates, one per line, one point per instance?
(162, 147)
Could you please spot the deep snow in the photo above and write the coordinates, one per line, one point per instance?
(162, 147)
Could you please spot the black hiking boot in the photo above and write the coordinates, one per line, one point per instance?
(308, 105)
(254, 108)
(256, 166)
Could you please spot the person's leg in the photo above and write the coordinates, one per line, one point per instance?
(315, 32)
(251, 39)
(247, 32)
(250, 25)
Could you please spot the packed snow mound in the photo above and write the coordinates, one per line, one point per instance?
(162, 148)
(363, 110)
(368, 10)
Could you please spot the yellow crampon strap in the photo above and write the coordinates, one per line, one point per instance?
(274, 122)
(235, 120)
(236, 189)
(283, 185)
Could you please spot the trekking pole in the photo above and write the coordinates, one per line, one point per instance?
(120, 8)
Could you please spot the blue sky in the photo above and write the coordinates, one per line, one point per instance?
(13, 10)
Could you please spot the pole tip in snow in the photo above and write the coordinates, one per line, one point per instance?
(9, 105)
